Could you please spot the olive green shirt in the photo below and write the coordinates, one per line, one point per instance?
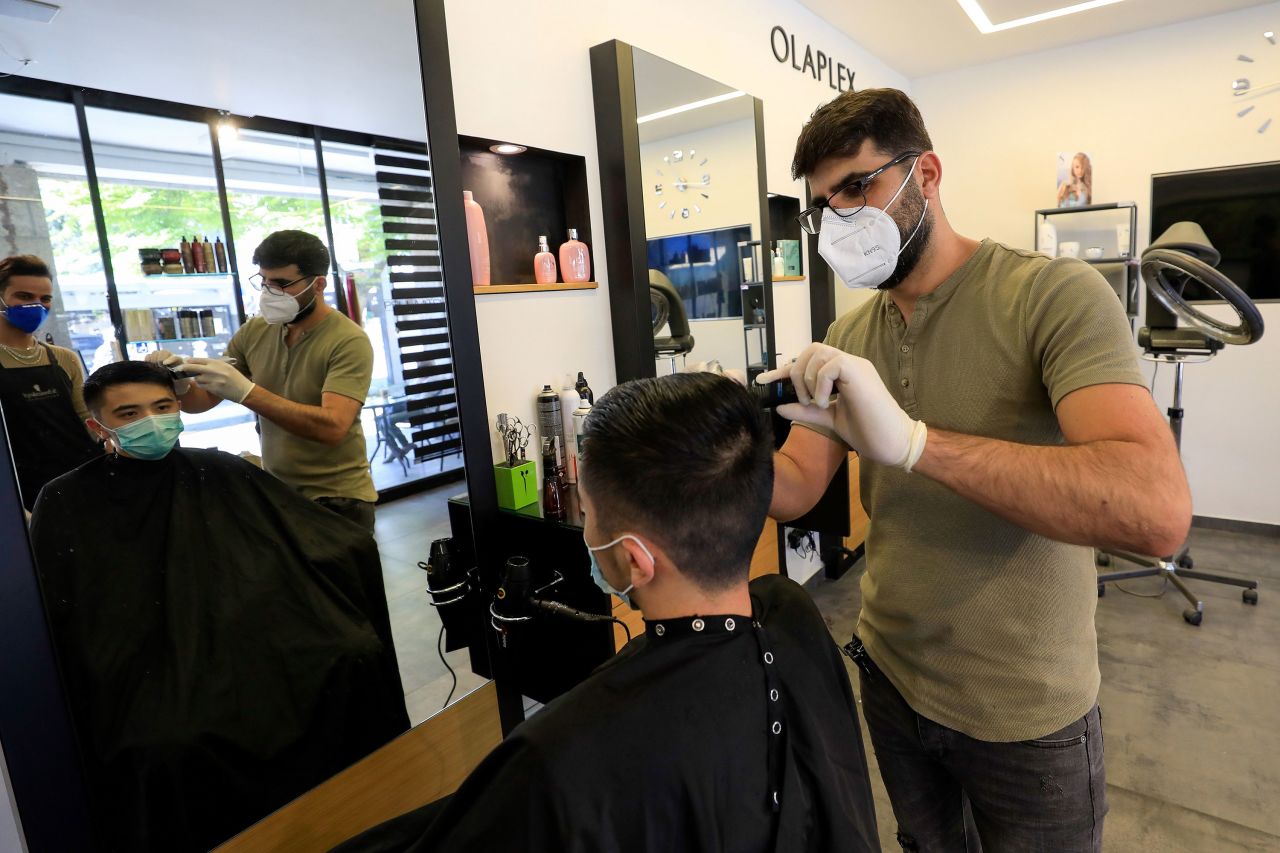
(335, 356)
(982, 626)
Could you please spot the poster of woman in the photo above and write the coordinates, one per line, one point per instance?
(1075, 180)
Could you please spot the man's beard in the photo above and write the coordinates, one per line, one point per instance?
(911, 207)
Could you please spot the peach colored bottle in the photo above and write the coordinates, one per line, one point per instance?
(477, 239)
(575, 260)
(544, 264)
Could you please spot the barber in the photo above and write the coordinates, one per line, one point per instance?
(41, 385)
(305, 369)
(976, 638)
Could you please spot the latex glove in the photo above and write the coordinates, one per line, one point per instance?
(167, 359)
(864, 414)
(218, 378)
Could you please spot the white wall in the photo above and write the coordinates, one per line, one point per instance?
(521, 71)
(1148, 102)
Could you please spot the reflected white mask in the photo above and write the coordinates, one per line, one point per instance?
(864, 248)
(278, 308)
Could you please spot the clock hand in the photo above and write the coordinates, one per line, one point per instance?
(1248, 89)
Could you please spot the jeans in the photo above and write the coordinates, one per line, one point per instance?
(361, 512)
(951, 792)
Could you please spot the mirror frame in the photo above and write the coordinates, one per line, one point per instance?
(622, 194)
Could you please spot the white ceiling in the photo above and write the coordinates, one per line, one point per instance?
(922, 37)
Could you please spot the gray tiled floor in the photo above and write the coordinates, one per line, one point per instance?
(1192, 714)
(404, 530)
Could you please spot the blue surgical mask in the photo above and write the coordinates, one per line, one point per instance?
(598, 576)
(28, 318)
(149, 438)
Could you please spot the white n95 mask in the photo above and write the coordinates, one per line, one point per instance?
(863, 249)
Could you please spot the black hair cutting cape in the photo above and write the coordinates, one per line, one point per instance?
(663, 750)
(224, 642)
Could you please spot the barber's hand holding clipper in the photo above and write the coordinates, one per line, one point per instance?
(864, 413)
(219, 377)
(164, 358)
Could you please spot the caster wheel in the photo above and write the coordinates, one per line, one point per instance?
(1103, 559)
(1102, 590)
(1187, 563)
(1193, 617)
(1251, 596)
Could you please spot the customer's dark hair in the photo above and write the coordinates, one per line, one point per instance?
(122, 373)
(886, 117)
(21, 265)
(687, 461)
(282, 248)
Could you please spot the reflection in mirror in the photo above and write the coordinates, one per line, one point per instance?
(229, 632)
(698, 160)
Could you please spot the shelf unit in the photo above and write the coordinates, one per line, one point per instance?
(481, 289)
(755, 321)
(1112, 227)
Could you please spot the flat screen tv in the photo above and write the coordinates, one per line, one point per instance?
(704, 268)
(1239, 209)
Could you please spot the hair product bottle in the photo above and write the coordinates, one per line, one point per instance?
(581, 385)
(579, 429)
(188, 265)
(197, 256)
(210, 265)
(575, 260)
(544, 264)
(477, 239)
(552, 483)
(568, 402)
(220, 254)
(550, 418)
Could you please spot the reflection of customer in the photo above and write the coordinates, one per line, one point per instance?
(1077, 190)
(40, 384)
(305, 369)
(222, 639)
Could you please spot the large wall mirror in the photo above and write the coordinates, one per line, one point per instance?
(192, 641)
(690, 261)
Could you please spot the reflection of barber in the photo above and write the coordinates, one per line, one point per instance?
(40, 384)
(224, 641)
(305, 369)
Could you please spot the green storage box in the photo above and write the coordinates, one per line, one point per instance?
(518, 486)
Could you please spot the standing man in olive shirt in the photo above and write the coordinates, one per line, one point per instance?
(305, 370)
(979, 670)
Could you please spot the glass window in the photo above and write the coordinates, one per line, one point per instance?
(44, 201)
(159, 194)
(394, 409)
(705, 270)
(273, 184)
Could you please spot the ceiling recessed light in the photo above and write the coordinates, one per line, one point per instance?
(508, 148)
(684, 108)
(984, 25)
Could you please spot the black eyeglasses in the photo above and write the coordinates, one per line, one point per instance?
(259, 282)
(810, 219)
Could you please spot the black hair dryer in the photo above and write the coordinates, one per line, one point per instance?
(449, 585)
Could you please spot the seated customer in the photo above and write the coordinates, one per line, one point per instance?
(219, 645)
(730, 724)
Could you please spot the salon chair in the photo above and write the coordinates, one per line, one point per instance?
(1183, 255)
(668, 310)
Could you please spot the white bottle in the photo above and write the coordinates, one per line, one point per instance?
(779, 266)
(579, 429)
(568, 402)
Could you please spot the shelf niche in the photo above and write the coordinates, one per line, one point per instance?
(536, 192)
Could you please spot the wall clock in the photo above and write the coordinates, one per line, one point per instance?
(676, 193)
(1263, 112)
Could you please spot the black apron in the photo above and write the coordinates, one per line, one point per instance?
(46, 435)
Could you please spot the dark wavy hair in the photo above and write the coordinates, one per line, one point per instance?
(886, 117)
(686, 460)
(22, 265)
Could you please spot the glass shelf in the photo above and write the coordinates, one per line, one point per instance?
(177, 340)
